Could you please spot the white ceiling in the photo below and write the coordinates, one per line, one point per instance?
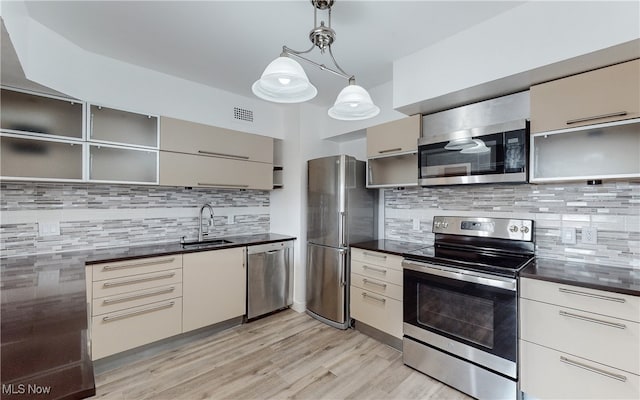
(227, 44)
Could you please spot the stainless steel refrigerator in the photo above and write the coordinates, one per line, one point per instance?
(340, 211)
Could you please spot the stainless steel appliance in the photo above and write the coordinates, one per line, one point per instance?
(269, 278)
(485, 142)
(340, 211)
(461, 304)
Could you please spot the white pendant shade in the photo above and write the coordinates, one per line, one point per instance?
(353, 103)
(284, 81)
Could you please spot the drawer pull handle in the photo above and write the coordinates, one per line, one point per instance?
(611, 375)
(366, 253)
(380, 270)
(380, 299)
(138, 280)
(111, 318)
(594, 320)
(368, 282)
(222, 185)
(596, 296)
(135, 296)
(615, 114)
(390, 150)
(141, 264)
(212, 153)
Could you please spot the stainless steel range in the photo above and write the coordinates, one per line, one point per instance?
(461, 304)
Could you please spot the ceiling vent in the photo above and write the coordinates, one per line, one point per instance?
(242, 114)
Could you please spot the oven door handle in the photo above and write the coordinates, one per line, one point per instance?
(462, 275)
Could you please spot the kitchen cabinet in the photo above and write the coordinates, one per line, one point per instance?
(133, 303)
(376, 290)
(392, 153)
(599, 96)
(122, 164)
(177, 169)
(117, 126)
(591, 352)
(214, 284)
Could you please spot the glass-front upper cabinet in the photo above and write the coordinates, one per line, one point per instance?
(41, 115)
(116, 126)
(120, 164)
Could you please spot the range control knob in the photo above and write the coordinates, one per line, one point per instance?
(513, 228)
(437, 224)
(524, 229)
(445, 224)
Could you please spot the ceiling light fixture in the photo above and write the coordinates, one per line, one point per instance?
(284, 80)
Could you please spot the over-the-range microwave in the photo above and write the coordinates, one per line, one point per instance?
(490, 154)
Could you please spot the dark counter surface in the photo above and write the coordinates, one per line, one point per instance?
(396, 247)
(43, 320)
(612, 279)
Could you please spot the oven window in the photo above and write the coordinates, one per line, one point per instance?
(460, 315)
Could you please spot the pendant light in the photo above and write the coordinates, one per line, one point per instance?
(284, 80)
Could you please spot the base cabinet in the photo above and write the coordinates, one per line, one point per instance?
(214, 287)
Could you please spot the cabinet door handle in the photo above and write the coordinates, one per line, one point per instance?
(595, 296)
(611, 375)
(368, 282)
(136, 296)
(376, 298)
(111, 318)
(615, 114)
(594, 320)
(212, 153)
(390, 150)
(366, 253)
(141, 264)
(138, 280)
(380, 270)
(222, 185)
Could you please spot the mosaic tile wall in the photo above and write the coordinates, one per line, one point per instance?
(100, 215)
(612, 208)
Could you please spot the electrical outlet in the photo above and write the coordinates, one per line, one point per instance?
(590, 235)
(230, 219)
(49, 278)
(416, 224)
(48, 228)
(568, 235)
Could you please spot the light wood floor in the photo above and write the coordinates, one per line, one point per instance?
(286, 355)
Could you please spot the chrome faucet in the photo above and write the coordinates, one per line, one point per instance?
(200, 233)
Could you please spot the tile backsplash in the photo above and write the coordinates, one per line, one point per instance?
(102, 215)
(612, 208)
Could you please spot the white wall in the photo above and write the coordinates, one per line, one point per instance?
(525, 38)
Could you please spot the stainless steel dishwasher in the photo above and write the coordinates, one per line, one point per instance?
(269, 278)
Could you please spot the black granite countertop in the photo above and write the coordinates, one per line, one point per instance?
(612, 279)
(43, 320)
(396, 247)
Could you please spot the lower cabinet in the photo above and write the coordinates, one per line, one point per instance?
(214, 287)
(578, 343)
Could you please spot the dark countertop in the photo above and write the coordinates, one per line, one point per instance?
(612, 279)
(43, 320)
(396, 247)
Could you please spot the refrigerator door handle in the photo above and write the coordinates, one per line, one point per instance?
(343, 228)
(343, 275)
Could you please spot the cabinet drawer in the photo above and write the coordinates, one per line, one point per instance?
(378, 272)
(115, 332)
(598, 301)
(377, 286)
(378, 311)
(549, 374)
(377, 258)
(606, 340)
(135, 299)
(135, 267)
(134, 283)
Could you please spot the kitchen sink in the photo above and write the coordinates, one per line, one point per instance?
(206, 243)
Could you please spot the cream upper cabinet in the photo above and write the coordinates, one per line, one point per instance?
(594, 97)
(214, 287)
(178, 169)
(593, 350)
(194, 138)
(394, 137)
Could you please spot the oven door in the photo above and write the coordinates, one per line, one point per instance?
(469, 314)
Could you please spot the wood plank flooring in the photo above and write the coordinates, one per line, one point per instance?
(287, 355)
